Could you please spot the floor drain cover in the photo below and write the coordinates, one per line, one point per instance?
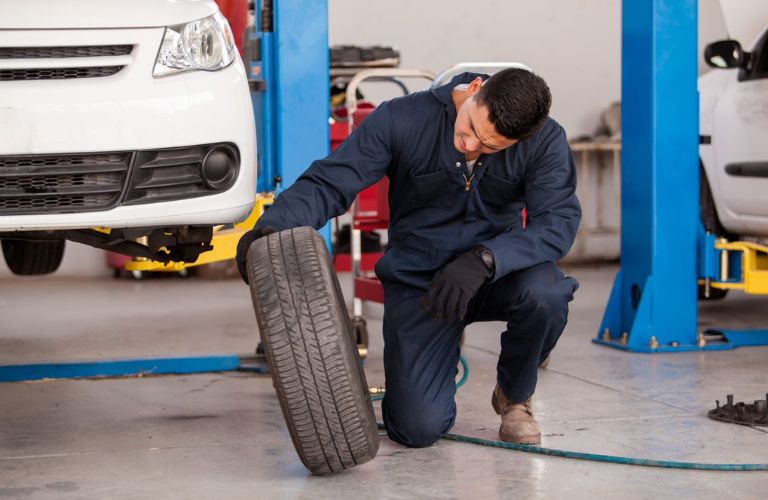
(741, 413)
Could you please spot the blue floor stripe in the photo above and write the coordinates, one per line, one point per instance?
(119, 368)
(744, 337)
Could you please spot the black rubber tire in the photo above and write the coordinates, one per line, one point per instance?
(32, 257)
(311, 352)
(714, 293)
(712, 224)
(707, 209)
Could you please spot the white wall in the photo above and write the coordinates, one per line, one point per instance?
(742, 20)
(574, 45)
(711, 28)
(745, 19)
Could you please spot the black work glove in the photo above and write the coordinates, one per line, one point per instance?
(245, 243)
(454, 286)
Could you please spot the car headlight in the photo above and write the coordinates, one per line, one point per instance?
(203, 45)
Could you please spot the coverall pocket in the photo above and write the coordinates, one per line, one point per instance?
(498, 191)
(432, 190)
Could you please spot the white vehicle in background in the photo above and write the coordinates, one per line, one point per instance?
(734, 140)
(132, 116)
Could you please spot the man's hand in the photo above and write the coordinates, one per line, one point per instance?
(245, 243)
(454, 286)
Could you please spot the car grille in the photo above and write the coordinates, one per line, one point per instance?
(62, 52)
(66, 183)
(60, 62)
(61, 183)
(56, 73)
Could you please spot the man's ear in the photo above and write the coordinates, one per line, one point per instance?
(474, 86)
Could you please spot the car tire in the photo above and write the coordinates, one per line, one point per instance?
(712, 224)
(311, 352)
(714, 293)
(33, 257)
(708, 211)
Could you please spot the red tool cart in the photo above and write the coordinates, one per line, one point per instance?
(370, 212)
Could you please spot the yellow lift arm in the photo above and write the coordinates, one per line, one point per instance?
(224, 242)
(754, 267)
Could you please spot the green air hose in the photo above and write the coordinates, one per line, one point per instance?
(378, 394)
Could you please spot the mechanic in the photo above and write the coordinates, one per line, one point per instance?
(463, 161)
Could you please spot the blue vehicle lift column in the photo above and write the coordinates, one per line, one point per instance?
(292, 108)
(653, 305)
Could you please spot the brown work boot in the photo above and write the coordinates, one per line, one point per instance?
(517, 423)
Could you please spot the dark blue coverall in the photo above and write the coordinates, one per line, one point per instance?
(433, 219)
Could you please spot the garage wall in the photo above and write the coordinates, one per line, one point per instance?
(574, 45)
(745, 19)
(711, 28)
(742, 20)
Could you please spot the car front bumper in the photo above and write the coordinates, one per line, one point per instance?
(128, 111)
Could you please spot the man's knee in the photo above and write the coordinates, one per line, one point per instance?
(419, 425)
(547, 295)
(551, 299)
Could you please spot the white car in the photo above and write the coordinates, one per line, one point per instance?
(130, 115)
(734, 140)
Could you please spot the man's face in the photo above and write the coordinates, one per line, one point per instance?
(473, 133)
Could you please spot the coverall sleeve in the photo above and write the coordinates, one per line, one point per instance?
(329, 186)
(553, 211)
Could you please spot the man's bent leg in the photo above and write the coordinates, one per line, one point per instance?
(420, 363)
(534, 303)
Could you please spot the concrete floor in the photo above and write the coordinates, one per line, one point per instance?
(222, 435)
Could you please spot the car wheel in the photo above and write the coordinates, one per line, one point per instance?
(311, 351)
(712, 224)
(32, 257)
(708, 212)
(714, 293)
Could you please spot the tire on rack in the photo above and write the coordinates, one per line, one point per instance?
(312, 356)
(714, 293)
(32, 257)
(712, 224)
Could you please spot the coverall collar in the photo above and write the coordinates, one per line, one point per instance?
(444, 92)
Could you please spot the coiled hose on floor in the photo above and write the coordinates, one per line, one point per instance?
(378, 394)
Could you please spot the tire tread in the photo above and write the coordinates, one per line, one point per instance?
(32, 257)
(314, 363)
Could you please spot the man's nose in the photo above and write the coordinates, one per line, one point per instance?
(472, 143)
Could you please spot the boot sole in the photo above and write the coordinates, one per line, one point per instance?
(529, 440)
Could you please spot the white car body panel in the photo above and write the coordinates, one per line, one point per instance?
(127, 111)
(735, 115)
(82, 14)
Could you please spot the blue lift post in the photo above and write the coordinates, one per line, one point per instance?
(292, 109)
(653, 305)
(292, 113)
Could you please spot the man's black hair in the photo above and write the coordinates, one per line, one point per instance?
(518, 102)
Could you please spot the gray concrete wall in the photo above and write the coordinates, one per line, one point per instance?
(745, 19)
(575, 46)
